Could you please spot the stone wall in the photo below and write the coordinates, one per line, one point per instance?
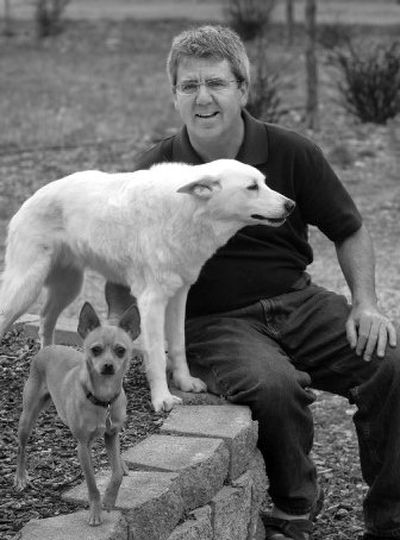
(200, 478)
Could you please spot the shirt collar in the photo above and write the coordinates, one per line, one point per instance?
(253, 151)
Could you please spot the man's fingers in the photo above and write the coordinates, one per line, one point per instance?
(382, 341)
(351, 333)
(364, 332)
(391, 330)
(377, 338)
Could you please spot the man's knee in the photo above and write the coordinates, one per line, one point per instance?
(282, 391)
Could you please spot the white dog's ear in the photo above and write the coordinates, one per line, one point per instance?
(88, 320)
(204, 187)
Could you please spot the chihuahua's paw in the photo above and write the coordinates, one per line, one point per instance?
(190, 384)
(108, 502)
(165, 402)
(95, 518)
(125, 468)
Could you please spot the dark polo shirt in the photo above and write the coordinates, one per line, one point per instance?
(260, 261)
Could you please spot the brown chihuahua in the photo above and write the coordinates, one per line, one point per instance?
(87, 392)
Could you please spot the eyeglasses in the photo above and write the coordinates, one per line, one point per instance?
(188, 88)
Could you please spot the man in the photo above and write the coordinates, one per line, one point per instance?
(258, 330)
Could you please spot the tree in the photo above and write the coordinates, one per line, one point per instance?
(48, 15)
(8, 31)
(311, 64)
(289, 21)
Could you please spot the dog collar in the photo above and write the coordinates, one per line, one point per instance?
(93, 399)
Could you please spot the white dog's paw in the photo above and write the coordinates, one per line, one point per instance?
(190, 384)
(165, 402)
(21, 481)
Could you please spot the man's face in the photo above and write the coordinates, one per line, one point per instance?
(211, 112)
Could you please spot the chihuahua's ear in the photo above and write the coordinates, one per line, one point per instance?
(88, 320)
(203, 188)
(130, 321)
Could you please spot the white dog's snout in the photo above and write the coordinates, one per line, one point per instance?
(289, 206)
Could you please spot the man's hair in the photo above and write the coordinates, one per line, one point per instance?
(213, 42)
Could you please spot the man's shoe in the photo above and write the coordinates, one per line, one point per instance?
(296, 529)
(283, 529)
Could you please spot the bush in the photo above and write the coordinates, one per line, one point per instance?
(48, 16)
(264, 100)
(249, 17)
(371, 86)
(332, 36)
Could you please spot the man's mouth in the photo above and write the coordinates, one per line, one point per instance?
(206, 115)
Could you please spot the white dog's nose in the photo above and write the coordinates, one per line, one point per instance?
(289, 206)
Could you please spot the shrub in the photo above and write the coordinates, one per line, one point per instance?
(331, 36)
(371, 86)
(249, 17)
(264, 100)
(48, 16)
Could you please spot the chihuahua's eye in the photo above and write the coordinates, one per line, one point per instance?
(96, 350)
(253, 187)
(119, 351)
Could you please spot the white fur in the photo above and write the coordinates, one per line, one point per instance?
(151, 230)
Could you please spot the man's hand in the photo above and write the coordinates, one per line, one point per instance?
(367, 329)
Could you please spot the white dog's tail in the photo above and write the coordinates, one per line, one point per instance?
(26, 270)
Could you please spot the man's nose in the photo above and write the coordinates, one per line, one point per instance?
(203, 94)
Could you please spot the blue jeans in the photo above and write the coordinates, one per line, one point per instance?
(269, 356)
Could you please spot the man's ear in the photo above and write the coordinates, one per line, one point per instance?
(88, 320)
(204, 188)
(244, 98)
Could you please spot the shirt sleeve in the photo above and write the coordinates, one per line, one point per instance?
(323, 200)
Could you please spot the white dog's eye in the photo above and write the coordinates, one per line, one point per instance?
(253, 187)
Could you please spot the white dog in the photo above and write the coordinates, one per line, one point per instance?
(151, 230)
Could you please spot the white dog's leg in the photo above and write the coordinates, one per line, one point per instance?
(63, 286)
(152, 305)
(175, 334)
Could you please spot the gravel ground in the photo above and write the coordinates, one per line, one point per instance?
(53, 464)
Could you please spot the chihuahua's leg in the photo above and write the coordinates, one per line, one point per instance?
(117, 469)
(175, 334)
(118, 299)
(152, 305)
(35, 398)
(85, 459)
(63, 286)
(21, 284)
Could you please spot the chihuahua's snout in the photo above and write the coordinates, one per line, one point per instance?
(108, 369)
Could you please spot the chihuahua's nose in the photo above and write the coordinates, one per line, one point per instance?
(108, 369)
(289, 206)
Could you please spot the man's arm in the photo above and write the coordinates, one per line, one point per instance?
(367, 327)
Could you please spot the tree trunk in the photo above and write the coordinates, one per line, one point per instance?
(311, 65)
(289, 21)
(8, 31)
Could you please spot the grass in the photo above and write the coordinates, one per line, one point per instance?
(95, 96)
